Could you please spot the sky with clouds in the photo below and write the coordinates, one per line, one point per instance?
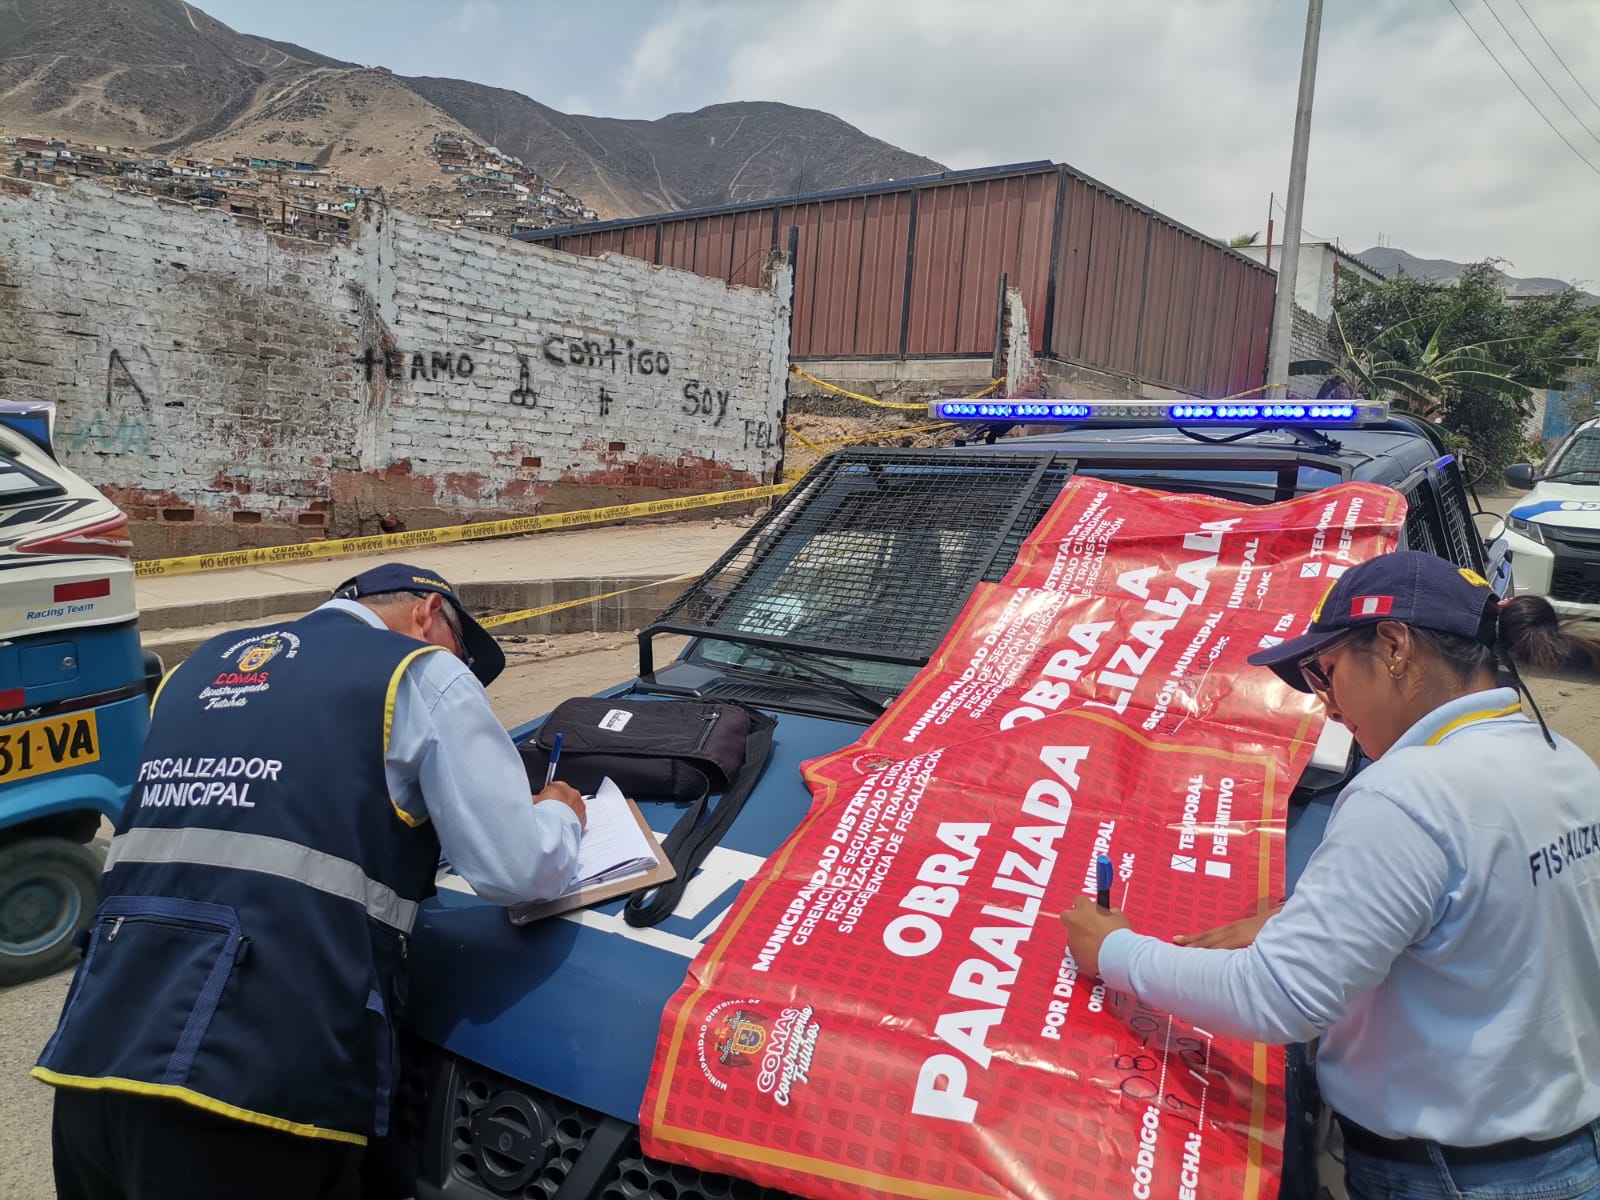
(1185, 105)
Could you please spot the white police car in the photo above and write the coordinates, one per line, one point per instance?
(1554, 531)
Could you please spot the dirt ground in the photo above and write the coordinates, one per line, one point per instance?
(883, 427)
(543, 671)
(1572, 709)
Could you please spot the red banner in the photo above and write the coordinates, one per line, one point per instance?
(891, 1007)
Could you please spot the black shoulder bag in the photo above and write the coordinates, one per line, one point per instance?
(682, 751)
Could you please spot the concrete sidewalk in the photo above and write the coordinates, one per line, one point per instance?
(493, 576)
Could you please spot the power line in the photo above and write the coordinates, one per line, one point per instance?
(1518, 86)
(1559, 59)
(1592, 136)
(1314, 236)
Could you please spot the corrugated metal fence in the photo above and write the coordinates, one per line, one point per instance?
(912, 270)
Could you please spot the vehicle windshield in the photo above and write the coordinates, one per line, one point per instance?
(883, 680)
(797, 603)
(1578, 461)
(879, 574)
(19, 483)
(1255, 486)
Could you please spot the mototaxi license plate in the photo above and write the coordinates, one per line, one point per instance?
(53, 744)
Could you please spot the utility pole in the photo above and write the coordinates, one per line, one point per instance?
(1272, 199)
(1283, 303)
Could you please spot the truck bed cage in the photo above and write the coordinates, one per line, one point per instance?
(872, 555)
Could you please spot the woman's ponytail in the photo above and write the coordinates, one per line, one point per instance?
(1530, 634)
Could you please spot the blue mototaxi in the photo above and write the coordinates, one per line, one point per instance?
(74, 683)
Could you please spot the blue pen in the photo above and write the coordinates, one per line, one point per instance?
(555, 757)
(1102, 882)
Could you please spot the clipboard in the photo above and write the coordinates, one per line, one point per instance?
(522, 914)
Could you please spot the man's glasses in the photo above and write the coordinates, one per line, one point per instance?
(453, 622)
(1319, 677)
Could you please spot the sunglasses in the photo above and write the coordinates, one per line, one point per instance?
(456, 632)
(1311, 669)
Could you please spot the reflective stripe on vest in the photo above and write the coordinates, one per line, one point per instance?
(270, 856)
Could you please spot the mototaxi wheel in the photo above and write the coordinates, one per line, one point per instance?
(48, 888)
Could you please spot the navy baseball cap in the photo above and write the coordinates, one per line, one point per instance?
(1406, 586)
(483, 654)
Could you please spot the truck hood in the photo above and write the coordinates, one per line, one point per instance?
(572, 1004)
(1573, 505)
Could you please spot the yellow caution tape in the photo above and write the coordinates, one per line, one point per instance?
(993, 384)
(527, 614)
(839, 391)
(1246, 392)
(803, 439)
(445, 535)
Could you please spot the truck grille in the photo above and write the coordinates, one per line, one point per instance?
(488, 1137)
(1576, 573)
(1569, 581)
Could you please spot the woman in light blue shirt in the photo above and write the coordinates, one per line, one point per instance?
(1442, 940)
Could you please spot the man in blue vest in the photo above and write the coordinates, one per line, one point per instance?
(231, 1030)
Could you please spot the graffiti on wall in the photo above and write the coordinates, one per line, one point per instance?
(119, 376)
(105, 433)
(395, 363)
(524, 394)
(703, 400)
(615, 355)
(760, 435)
(120, 425)
(584, 352)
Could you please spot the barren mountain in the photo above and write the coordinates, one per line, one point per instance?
(725, 153)
(140, 73)
(160, 75)
(364, 123)
(1387, 260)
(551, 142)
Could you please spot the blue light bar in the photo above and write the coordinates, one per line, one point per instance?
(1163, 412)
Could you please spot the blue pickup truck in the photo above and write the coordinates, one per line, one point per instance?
(528, 1047)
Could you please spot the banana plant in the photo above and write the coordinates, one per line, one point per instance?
(1419, 378)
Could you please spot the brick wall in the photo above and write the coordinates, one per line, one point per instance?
(1309, 337)
(1025, 373)
(229, 387)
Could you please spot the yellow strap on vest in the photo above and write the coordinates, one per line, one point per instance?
(388, 724)
(189, 1096)
(161, 687)
(1487, 715)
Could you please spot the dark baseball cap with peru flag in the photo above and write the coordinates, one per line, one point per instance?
(1406, 586)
